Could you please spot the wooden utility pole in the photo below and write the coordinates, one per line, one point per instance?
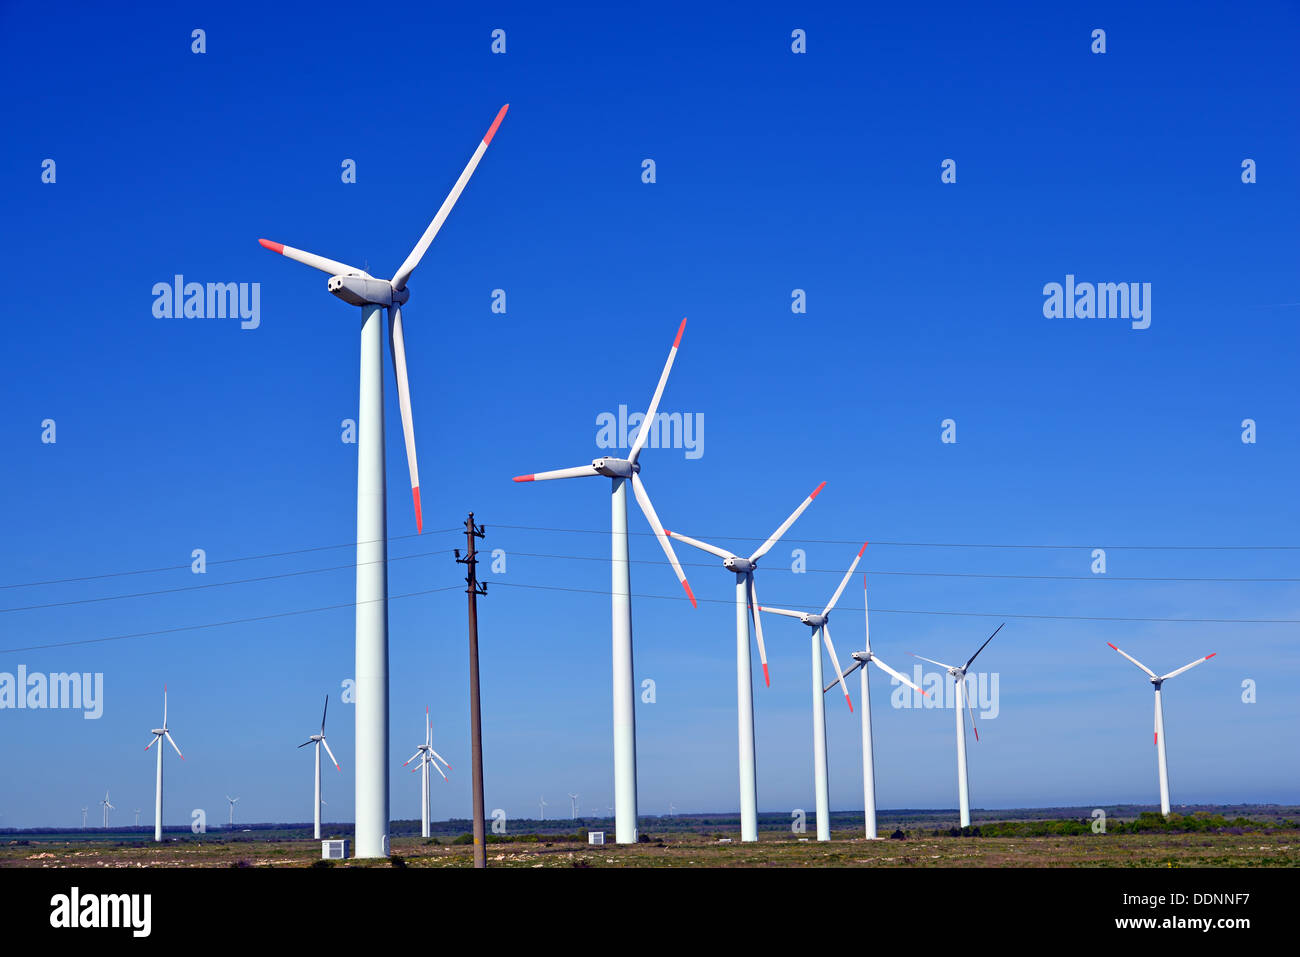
(474, 589)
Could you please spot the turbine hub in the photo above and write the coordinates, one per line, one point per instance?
(740, 566)
(615, 468)
(815, 621)
(365, 291)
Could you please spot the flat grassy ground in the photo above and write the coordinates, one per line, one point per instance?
(1280, 848)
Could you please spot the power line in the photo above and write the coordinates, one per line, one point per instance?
(840, 571)
(220, 561)
(957, 614)
(220, 624)
(237, 581)
(858, 541)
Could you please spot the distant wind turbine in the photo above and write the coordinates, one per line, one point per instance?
(137, 817)
(158, 735)
(107, 807)
(573, 798)
(1159, 739)
(318, 740)
(83, 816)
(747, 611)
(233, 802)
(959, 683)
(542, 804)
(868, 757)
(427, 756)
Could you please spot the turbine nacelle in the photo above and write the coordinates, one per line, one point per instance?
(814, 621)
(615, 468)
(366, 291)
(741, 566)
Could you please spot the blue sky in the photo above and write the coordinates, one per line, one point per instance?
(774, 172)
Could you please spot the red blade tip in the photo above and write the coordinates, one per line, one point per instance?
(523, 478)
(492, 130)
(850, 701)
(680, 330)
(274, 247)
(766, 678)
(689, 594)
(860, 551)
(817, 490)
(419, 520)
(1210, 655)
(1112, 646)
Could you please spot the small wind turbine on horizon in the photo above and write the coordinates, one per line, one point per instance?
(427, 756)
(620, 472)
(319, 740)
(959, 684)
(84, 811)
(233, 802)
(137, 817)
(358, 288)
(1159, 737)
(107, 807)
(541, 801)
(820, 626)
(573, 798)
(746, 612)
(158, 735)
(868, 753)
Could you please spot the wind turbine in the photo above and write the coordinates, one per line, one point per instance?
(158, 735)
(319, 740)
(573, 799)
(746, 603)
(1159, 739)
(620, 471)
(820, 625)
(233, 802)
(868, 755)
(107, 807)
(541, 801)
(137, 817)
(959, 682)
(359, 288)
(83, 817)
(427, 756)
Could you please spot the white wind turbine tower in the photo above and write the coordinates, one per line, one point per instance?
(541, 802)
(959, 685)
(319, 741)
(84, 811)
(620, 471)
(746, 602)
(233, 802)
(107, 807)
(158, 735)
(427, 756)
(868, 755)
(820, 625)
(359, 288)
(137, 817)
(573, 799)
(1159, 739)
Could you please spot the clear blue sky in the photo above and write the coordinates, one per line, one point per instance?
(775, 171)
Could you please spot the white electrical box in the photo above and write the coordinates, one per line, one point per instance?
(333, 850)
(595, 837)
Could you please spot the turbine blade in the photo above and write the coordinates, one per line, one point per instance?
(152, 742)
(931, 660)
(866, 615)
(440, 758)
(830, 646)
(983, 646)
(780, 611)
(173, 744)
(969, 710)
(397, 346)
(1134, 660)
(1185, 667)
(330, 753)
(767, 545)
(899, 675)
(305, 743)
(757, 619)
(439, 770)
(428, 727)
(417, 754)
(845, 580)
(164, 724)
(331, 266)
(855, 667)
(643, 499)
(413, 260)
(576, 472)
(644, 432)
(323, 713)
(704, 546)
